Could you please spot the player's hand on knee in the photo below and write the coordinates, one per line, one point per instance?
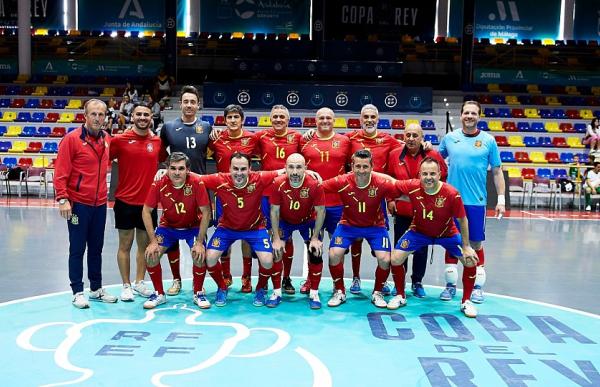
(316, 247)
(199, 253)
(278, 249)
(469, 258)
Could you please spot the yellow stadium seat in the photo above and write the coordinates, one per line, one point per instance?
(538, 157)
(532, 113)
(552, 127)
(61, 79)
(66, 117)
(572, 90)
(575, 142)
(494, 88)
(512, 100)
(533, 89)
(515, 141)
(495, 126)
(40, 91)
(108, 92)
(18, 147)
(553, 101)
(74, 104)
(586, 114)
(596, 90)
(413, 121)
(21, 78)
(8, 116)
(13, 131)
(514, 172)
(340, 122)
(264, 121)
(41, 162)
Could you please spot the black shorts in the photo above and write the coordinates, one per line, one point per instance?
(129, 216)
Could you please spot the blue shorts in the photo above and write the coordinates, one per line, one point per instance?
(265, 207)
(258, 240)
(332, 218)
(167, 237)
(377, 237)
(385, 214)
(305, 229)
(218, 211)
(413, 241)
(476, 218)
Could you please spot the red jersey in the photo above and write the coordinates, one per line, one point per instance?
(181, 206)
(137, 158)
(380, 145)
(297, 205)
(403, 166)
(327, 157)
(362, 206)
(433, 214)
(274, 148)
(241, 206)
(225, 146)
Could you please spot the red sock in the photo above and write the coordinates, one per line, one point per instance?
(399, 276)
(198, 274)
(337, 274)
(381, 275)
(247, 267)
(226, 265)
(288, 257)
(481, 256)
(468, 281)
(263, 277)
(450, 259)
(216, 272)
(156, 277)
(174, 263)
(356, 251)
(314, 274)
(276, 274)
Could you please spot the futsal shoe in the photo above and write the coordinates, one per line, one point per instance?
(79, 301)
(417, 290)
(286, 285)
(386, 290)
(305, 288)
(314, 302)
(259, 298)
(221, 298)
(141, 289)
(228, 280)
(201, 300)
(246, 285)
(155, 300)
(477, 295)
(337, 299)
(175, 288)
(355, 287)
(468, 309)
(127, 293)
(396, 302)
(102, 296)
(273, 301)
(448, 293)
(378, 300)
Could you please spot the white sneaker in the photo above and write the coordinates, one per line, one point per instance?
(175, 288)
(201, 300)
(588, 208)
(396, 302)
(79, 301)
(337, 299)
(468, 309)
(155, 300)
(127, 293)
(101, 295)
(378, 300)
(141, 289)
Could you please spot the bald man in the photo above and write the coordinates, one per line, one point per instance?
(298, 204)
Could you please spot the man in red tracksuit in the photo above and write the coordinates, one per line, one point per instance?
(80, 183)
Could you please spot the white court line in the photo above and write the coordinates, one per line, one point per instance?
(538, 216)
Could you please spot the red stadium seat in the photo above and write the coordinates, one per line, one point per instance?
(353, 123)
(517, 113)
(522, 157)
(58, 131)
(559, 142)
(573, 114)
(398, 124)
(509, 126)
(51, 117)
(309, 122)
(567, 127)
(501, 141)
(219, 121)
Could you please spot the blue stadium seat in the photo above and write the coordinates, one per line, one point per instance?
(23, 117)
(28, 131)
(507, 157)
(546, 113)
(2, 130)
(566, 157)
(251, 121)
(60, 104)
(428, 125)
(32, 103)
(43, 131)
(537, 127)
(583, 157)
(580, 127)
(559, 173)
(295, 122)
(529, 141)
(483, 125)
(49, 147)
(4, 103)
(504, 112)
(544, 173)
(38, 117)
(384, 123)
(5, 146)
(559, 114)
(209, 119)
(10, 162)
(490, 112)
(499, 100)
(433, 138)
(523, 126)
(544, 142)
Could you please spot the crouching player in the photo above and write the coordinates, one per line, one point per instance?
(186, 215)
(298, 204)
(435, 205)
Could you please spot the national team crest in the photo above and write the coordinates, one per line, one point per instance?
(339, 240)
(216, 242)
(379, 140)
(405, 243)
(245, 141)
(187, 190)
(160, 239)
(478, 144)
(335, 144)
(372, 192)
(304, 193)
(252, 188)
(199, 129)
(290, 138)
(150, 148)
(74, 220)
(440, 202)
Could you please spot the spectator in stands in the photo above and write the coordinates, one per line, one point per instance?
(164, 86)
(592, 185)
(125, 111)
(131, 92)
(112, 114)
(592, 135)
(155, 108)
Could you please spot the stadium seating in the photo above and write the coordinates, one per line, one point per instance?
(527, 173)
(544, 142)
(40, 91)
(264, 122)
(4, 103)
(8, 116)
(340, 123)
(513, 172)
(38, 117)
(509, 126)
(553, 158)
(566, 157)
(353, 123)
(515, 141)
(532, 113)
(483, 125)
(529, 141)
(5, 146)
(17, 103)
(219, 121)
(397, 124)
(33, 147)
(495, 126)
(13, 131)
(28, 131)
(23, 117)
(66, 117)
(433, 138)
(501, 141)
(209, 119)
(552, 127)
(575, 142)
(43, 131)
(18, 147)
(310, 122)
(49, 147)
(522, 157)
(559, 142)
(74, 104)
(3, 130)
(384, 123)
(52, 117)
(537, 157)
(523, 127)
(579, 128)
(295, 122)
(517, 113)
(58, 131)
(507, 157)
(250, 121)
(79, 118)
(60, 104)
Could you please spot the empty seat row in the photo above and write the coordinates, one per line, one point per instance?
(559, 114)
(64, 117)
(502, 99)
(528, 141)
(25, 162)
(32, 147)
(36, 103)
(541, 157)
(32, 131)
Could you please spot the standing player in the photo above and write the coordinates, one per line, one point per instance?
(362, 193)
(189, 135)
(234, 139)
(298, 204)
(80, 175)
(137, 152)
(470, 152)
(403, 164)
(436, 204)
(186, 215)
(326, 153)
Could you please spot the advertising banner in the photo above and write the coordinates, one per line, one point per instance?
(44, 14)
(540, 77)
(96, 67)
(124, 15)
(587, 20)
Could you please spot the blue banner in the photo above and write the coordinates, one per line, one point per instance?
(268, 16)
(121, 15)
(587, 20)
(311, 97)
(96, 67)
(46, 14)
(540, 77)
(9, 66)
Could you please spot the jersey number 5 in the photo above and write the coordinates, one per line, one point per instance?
(240, 202)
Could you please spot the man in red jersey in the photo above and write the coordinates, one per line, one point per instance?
(403, 164)
(186, 215)
(225, 144)
(80, 183)
(361, 192)
(435, 205)
(298, 203)
(137, 153)
(326, 153)
(274, 146)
